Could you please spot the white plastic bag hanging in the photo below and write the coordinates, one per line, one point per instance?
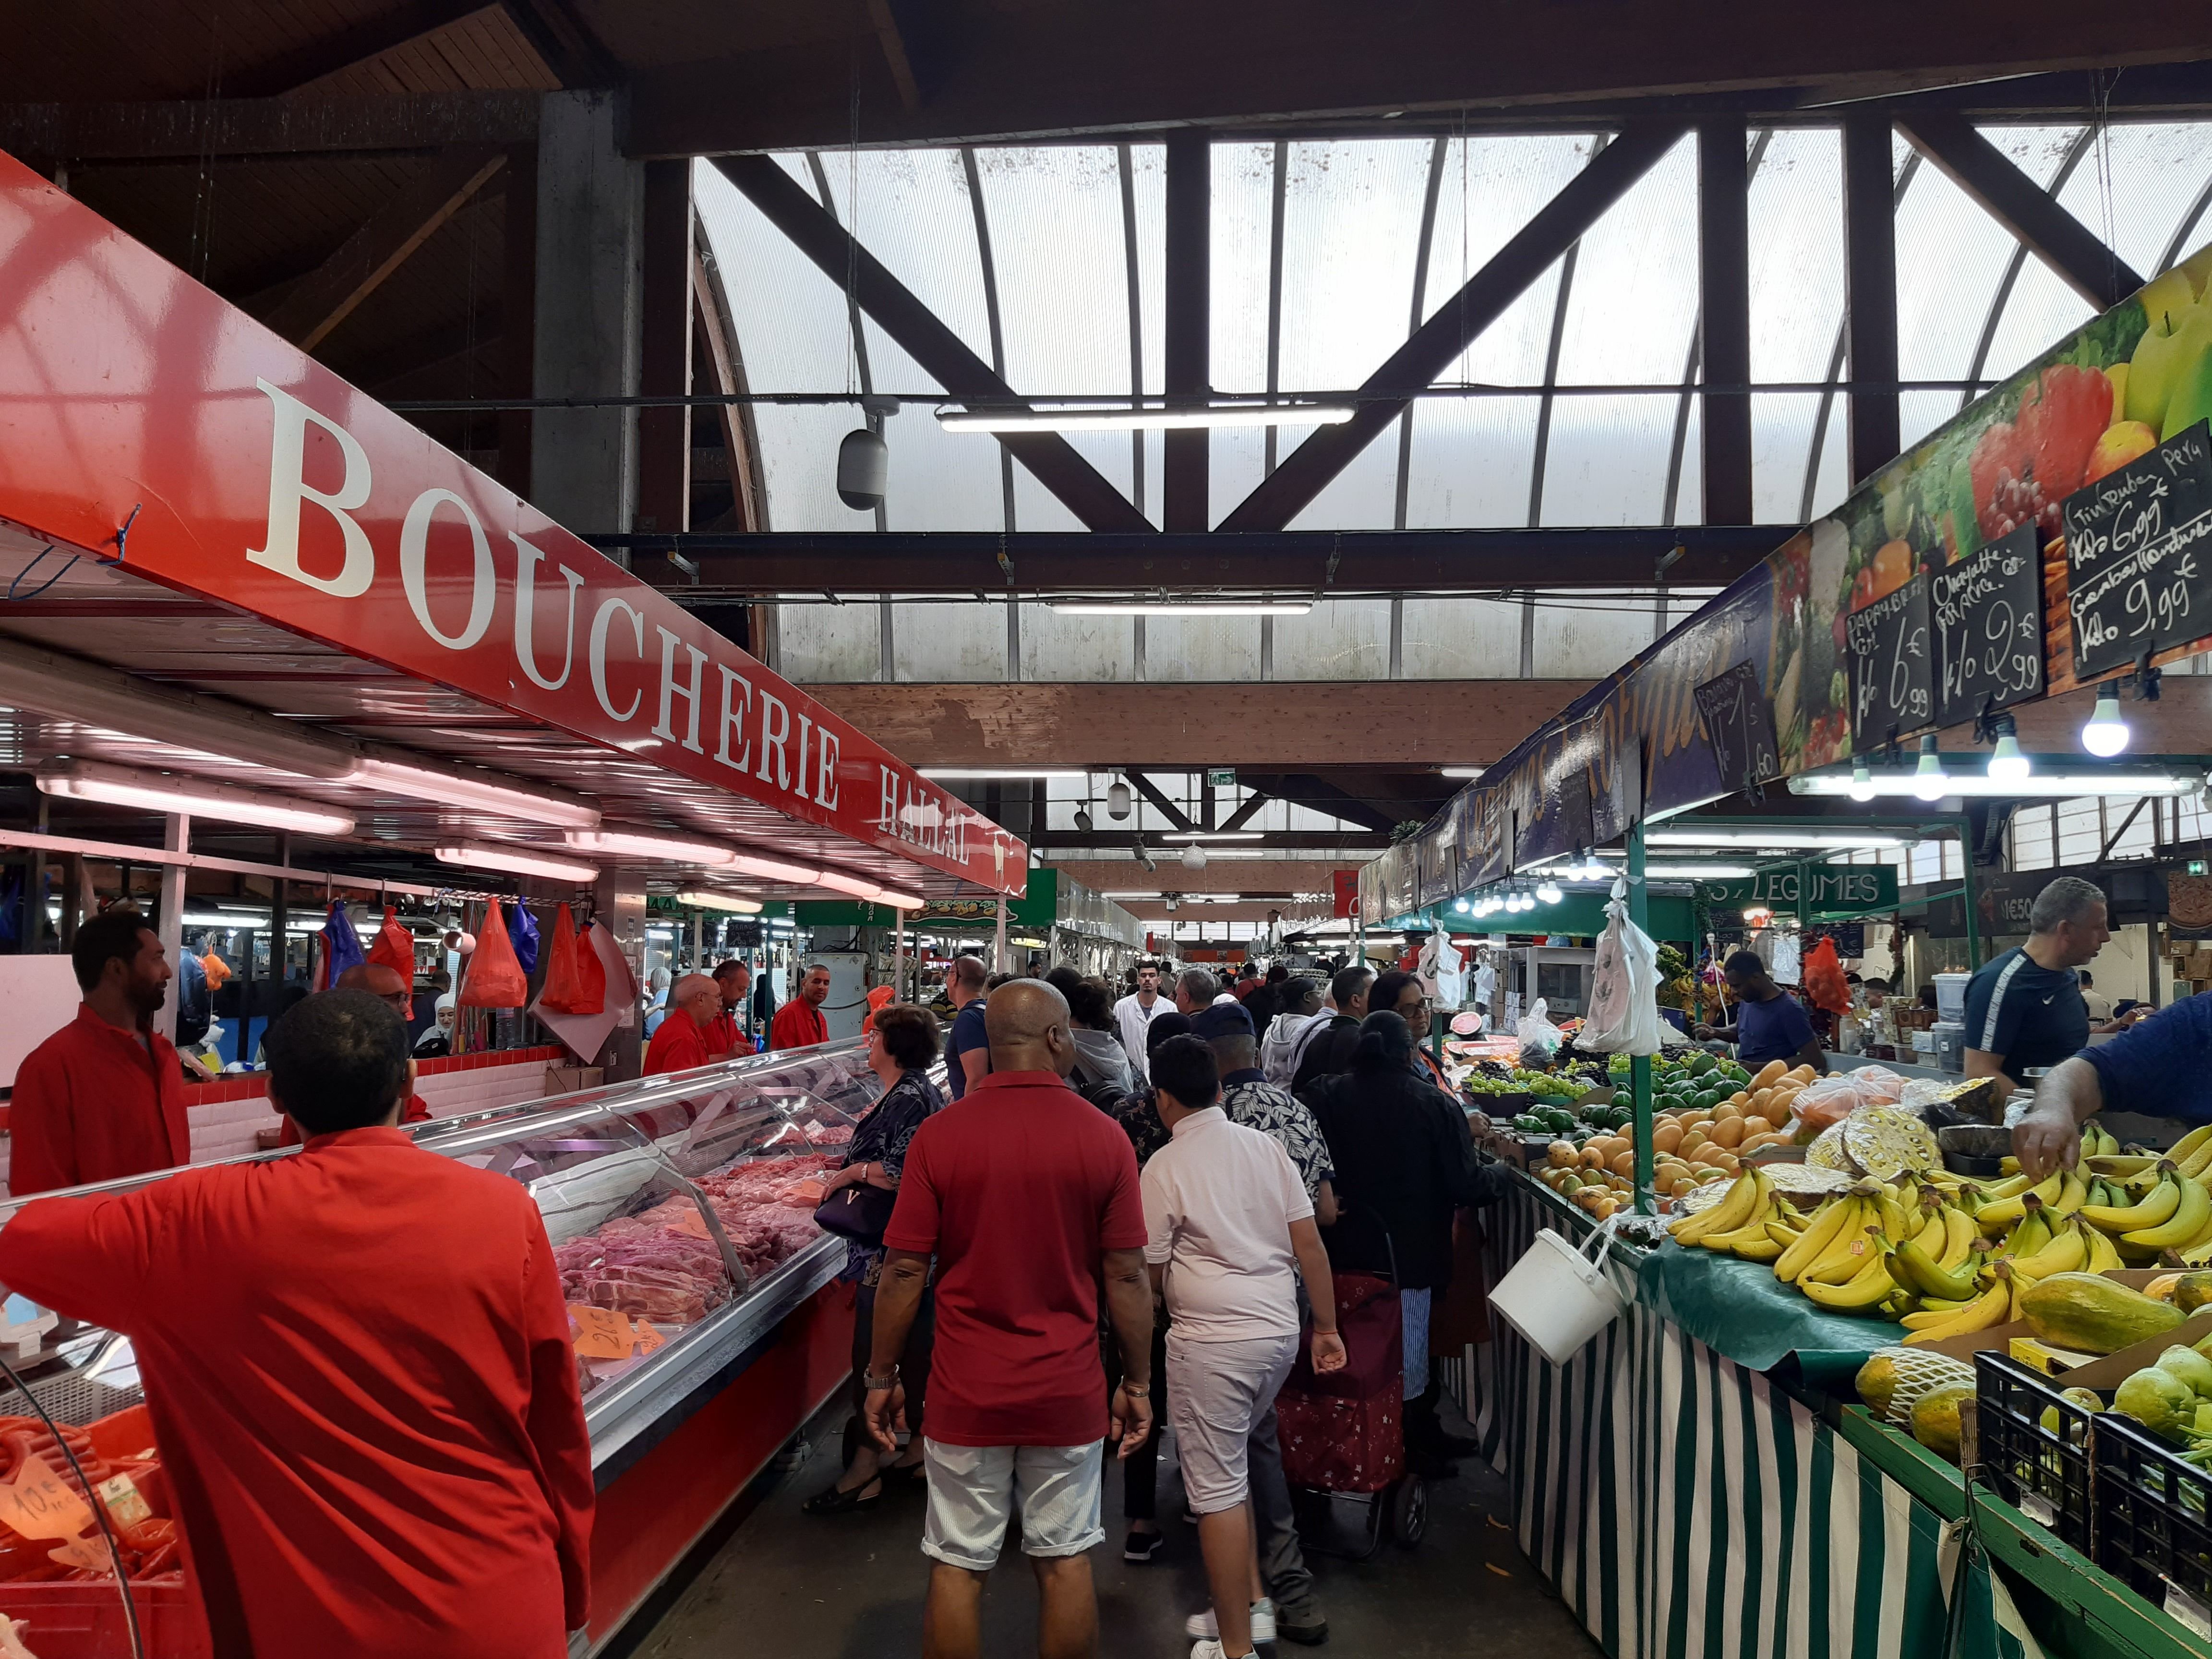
(1624, 1016)
(1442, 969)
(1540, 1038)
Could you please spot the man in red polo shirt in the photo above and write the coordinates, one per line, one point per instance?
(684, 1039)
(389, 987)
(799, 1024)
(1027, 1196)
(726, 1038)
(360, 1369)
(104, 1096)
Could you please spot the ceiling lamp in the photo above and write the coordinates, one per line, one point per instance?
(1083, 820)
(802, 875)
(864, 465)
(1861, 781)
(483, 793)
(204, 797)
(1930, 782)
(1181, 608)
(514, 860)
(1461, 771)
(956, 773)
(2008, 764)
(2106, 733)
(899, 901)
(1548, 890)
(837, 882)
(1462, 906)
(1119, 800)
(1193, 857)
(707, 899)
(1159, 418)
(639, 844)
(1215, 835)
(2084, 781)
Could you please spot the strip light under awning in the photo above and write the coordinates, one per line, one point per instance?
(1159, 418)
(2140, 782)
(204, 797)
(514, 860)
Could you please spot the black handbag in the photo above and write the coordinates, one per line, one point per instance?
(859, 1213)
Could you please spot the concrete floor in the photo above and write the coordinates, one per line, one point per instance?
(851, 1588)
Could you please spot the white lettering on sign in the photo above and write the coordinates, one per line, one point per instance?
(798, 772)
(670, 690)
(599, 656)
(825, 773)
(289, 486)
(736, 708)
(525, 606)
(414, 572)
(775, 739)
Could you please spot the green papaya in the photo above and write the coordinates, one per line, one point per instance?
(2190, 1366)
(1935, 1418)
(2091, 1314)
(2158, 1399)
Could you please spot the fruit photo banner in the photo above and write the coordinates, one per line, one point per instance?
(2106, 431)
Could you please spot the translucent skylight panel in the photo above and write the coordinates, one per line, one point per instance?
(1795, 215)
(1337, 640)
(1582, 636)
(1490, 189)
(1606, 461)
(1469, 462)
(1461, 639)
(1351, 222)
(830, 643)
(1243, 204)
(1634, 302)
(911, 209)
(1058, 250)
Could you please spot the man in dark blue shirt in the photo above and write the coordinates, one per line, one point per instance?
(2024, 1009)
(2163, 1067)
(1769, 1024)
(967, 1052)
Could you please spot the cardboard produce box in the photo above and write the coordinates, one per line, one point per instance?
(2003, 1339)
(568, 1079)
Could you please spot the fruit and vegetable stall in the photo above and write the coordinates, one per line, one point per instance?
(1915, 1410)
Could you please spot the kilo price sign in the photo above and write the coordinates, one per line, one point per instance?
(1893, 665)
(1986, 614)
(39, 1504)
(2139, 555)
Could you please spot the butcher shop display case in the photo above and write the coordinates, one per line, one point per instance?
(681, 1213)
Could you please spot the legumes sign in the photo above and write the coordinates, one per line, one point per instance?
(248, 473)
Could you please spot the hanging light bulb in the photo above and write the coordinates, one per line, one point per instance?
(2106, 733)
(1929, 780)
(1460, 905)
(1193, 857)
(1118, 799)
(2008, 764)
(1861, 781)
(1549, 891)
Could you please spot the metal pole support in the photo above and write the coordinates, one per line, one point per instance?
(1639, 1065)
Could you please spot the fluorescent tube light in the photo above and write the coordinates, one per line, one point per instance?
(202, 797)
(774, 869)
(1154, 419)
(1810, 836)
(1215, 835)
(707, 900)
(899, 901)
(488, 855)
(487, 794)
(1461, 771)
(2047, 784)
(956, 772)
(636, 843)
(837, 882)
(1193, 608)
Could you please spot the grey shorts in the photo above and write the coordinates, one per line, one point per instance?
(1217, 1393)
(972, 1489)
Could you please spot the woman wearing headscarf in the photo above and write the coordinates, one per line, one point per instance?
(1404, 1157)
(437, 1039)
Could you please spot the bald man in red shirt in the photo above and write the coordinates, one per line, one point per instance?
(682, 1040)
(104, 1096)
(359, 1366)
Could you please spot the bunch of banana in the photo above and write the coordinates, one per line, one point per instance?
(2191, 1154)
(2097, 1141)
(1746, 1202)
(1936, 1322)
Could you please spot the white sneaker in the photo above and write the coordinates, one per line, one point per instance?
(1212, 1650)
(1204, 1627)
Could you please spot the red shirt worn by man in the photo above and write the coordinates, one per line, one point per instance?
(359, 1367)
(798, 1024)
(723, 1035)
(417, 1110)
(1018, 1188)
(94, 1102)
(678, 1046)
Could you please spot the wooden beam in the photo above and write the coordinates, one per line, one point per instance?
(1317, 562)
(185, 130)
(397, 366)
(1870, 287)
(327, 296)
(2015, 201)
(934, 348)
(1439, 342)
(1185, 502)
(564, 43)
(664, 435)
(897, 59)
(740, 443)
(518, 284)
(1277, 726)
(372, 37)
(1725, 318)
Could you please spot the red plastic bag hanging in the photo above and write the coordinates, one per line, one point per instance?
(1824, 978)
(393, 947)
(495, 978)
(591, 973)
(564, 990)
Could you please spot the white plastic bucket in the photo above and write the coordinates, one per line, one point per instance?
(1558, 1297)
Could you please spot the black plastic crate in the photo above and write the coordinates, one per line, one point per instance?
(2045, 1474)
(2154, 1518)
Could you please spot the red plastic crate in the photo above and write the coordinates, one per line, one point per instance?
(85, 1620)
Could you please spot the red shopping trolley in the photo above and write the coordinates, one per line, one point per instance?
(1343, 1434)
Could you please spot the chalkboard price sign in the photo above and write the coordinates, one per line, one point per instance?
(1740, 726)
(1986, 613)
(1893, 665)
(2139, 555)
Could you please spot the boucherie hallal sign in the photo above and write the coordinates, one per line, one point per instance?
(247, 472)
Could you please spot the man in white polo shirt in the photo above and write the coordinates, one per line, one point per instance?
(1226, 1218)
(1135, 1014)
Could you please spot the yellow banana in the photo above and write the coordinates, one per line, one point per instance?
(2013, 1284)
(1820, 1231)
(2104, 1254)
(2064, 1255)
(2073, 1193)
(1988, 1308)
(2032, 1235)
(1750, 1236)
(1846, 1256)
(1744, 1199)
(2197, 1164)
(1995, 1191)
(2005, 1212)
(1871, 1285)
(1746, 1249)
(2192, 1210)
(2163, 1201)
(1958, 1243)
(1936, 1311)
(2198, 1140)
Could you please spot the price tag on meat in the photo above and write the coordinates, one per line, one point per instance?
(601, 1333)
(88, 1553)
(40, 1503)
(1893, 669)
(649, 1341)
(1987, 612)
(2139, 555)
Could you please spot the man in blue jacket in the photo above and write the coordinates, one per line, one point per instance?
(2159, 1066)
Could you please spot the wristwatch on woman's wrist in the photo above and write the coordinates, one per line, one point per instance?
(875, 1384)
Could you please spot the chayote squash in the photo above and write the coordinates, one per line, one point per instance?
(2092, 1314)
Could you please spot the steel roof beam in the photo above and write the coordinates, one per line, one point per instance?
(941, 354)
(2015, 201)
(1439, 342)
(194, 129)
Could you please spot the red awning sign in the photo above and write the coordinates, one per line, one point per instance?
(246, 472)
